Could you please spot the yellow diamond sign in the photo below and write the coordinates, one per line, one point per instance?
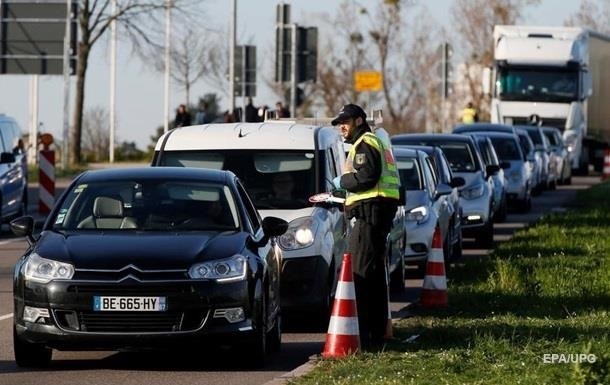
(368, 81)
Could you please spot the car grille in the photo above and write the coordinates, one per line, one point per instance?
(142, 275)
(121, 322)
(114, 289)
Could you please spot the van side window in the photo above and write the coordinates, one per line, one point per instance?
(255, 218)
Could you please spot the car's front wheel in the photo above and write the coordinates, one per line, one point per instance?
(30, 355)
(255, 352)
(274, 337)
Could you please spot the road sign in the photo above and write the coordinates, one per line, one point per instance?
(32, 36)
(368, 81)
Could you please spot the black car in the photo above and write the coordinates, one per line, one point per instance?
(148, 258)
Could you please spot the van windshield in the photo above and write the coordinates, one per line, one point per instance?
(274, 179)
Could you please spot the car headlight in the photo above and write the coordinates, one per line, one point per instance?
(222, 270)
(473, 192)
(418, 214)
(39, 269)
(570, 141)
(300, 234)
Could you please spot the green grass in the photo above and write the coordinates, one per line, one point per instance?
(546, 291)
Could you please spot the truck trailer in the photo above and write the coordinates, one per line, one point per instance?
(555, 76)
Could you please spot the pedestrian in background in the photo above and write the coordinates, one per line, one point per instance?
(281, 111)
(251, 111)
(372, 184)
(202, 117)
(469, 114)
(183, 117)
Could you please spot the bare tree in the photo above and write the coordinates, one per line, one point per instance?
(96, 135)
(137, 17)
(591, 16)
(474, 21)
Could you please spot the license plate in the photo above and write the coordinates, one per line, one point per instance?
(129, 303)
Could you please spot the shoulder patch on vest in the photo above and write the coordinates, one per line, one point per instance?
(360, 158)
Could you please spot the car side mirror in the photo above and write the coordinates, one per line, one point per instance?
(274, 227)
(504, 165)
(443, 189)
(492, 169)
(7, 157)
(23, 227)
(457, 181)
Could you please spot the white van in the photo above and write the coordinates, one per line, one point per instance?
(281, 164)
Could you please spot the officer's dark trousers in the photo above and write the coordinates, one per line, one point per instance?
(367, 243)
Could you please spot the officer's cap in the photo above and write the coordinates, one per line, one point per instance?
(349, 111)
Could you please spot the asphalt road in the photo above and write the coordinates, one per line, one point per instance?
(300, 341)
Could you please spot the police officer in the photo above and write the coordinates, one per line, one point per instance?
(371, 181)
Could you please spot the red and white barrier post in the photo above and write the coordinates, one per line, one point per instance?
(46, 176)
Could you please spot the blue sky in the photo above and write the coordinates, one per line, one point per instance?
(140, 90)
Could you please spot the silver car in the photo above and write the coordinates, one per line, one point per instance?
(518, 179)
(476, 195)
(561, 154)
(489, 156)
(425, 207)
(542, 149)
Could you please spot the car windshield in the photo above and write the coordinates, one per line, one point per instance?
(535, 137)
(460, 158)
(274, 179)
(409, 172)
(143, 205)
(506, 148)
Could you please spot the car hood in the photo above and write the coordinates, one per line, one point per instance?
(416, 198)
(289, 215)
(146, 250)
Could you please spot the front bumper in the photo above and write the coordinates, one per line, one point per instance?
(475, 212)
(419, 240)
(304, 282)
(194, 313)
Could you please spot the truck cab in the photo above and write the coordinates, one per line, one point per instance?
(545, 75)
(281, 164)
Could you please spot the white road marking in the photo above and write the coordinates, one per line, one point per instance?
(6, 316)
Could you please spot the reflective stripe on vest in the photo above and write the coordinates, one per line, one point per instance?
(468, 115)
(389, 181)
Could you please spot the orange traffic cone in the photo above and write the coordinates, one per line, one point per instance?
(343, 336)
(606, 173)
(434, 292)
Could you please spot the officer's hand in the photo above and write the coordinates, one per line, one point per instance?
(337, 183)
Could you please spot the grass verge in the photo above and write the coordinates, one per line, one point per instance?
(545, 292)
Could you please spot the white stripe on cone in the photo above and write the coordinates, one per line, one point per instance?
(345, 290)
(343, 325)
(436, 255)
(435, 282)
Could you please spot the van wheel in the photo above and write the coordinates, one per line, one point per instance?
(274, 337)
(29, 355)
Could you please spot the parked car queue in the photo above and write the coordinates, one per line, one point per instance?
(452, 182)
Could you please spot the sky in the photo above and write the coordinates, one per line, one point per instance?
(140, 90)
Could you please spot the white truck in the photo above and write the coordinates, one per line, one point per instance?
(555, 76)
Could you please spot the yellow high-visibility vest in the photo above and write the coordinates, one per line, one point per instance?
(389, 181)
(468, 115)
